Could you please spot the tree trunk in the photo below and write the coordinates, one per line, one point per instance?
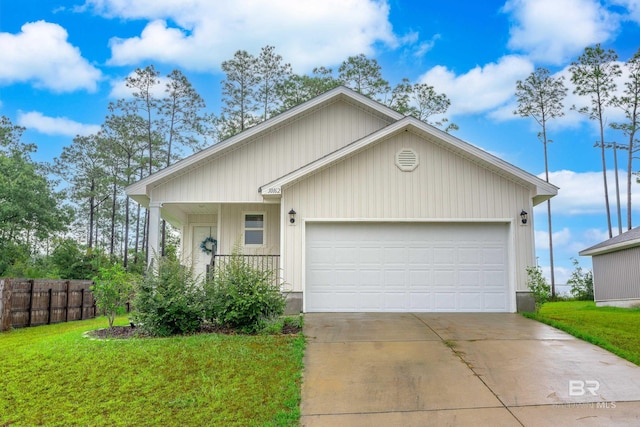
(615, 167)
(125, 256)
(114, 195)
(91, 214)
(604, 177)
(546, 171)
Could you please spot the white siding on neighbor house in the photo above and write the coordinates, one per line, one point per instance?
(232, 228)
(616, 275)
(236, 175)
(444, 187)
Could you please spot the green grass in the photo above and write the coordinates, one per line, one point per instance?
(614, 329)
(53, 376)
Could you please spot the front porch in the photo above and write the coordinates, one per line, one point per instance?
(211, 232)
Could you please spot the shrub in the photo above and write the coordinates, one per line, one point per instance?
(168, 300)
(112, 290)
(242, 297)
(538, 286)
(581, 282)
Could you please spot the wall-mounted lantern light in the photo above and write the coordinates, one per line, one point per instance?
(523, 216)
(292, 216)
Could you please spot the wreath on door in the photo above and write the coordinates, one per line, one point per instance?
(208, 244)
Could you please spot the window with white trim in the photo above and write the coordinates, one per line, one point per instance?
(254, 228)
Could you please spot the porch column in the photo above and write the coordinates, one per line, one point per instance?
(154, 231)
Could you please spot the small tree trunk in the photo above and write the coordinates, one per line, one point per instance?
(615, 167)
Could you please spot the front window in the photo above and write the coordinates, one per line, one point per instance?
(254, 229)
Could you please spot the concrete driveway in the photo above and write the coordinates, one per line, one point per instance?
(431, 369)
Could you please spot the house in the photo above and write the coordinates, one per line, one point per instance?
(616, 270)
(366, 209)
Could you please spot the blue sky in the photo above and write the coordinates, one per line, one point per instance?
(63, 61)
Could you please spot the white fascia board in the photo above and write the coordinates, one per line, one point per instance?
(142, 187)
(611, 248)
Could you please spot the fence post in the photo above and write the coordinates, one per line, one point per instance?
(50, 306)
(5, 304)
(82, 304)
(32, 282)
(66, 319)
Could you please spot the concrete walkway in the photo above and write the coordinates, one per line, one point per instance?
(430, 369)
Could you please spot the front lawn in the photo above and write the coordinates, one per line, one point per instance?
(614, 329)
(53, 376)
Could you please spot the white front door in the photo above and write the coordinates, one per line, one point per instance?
(407, 267)
(199, 258)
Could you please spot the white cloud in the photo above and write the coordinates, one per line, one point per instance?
(55, 125)
(424, 47)
(560, 238)
(571, 119)
(552, 31)
(633, 9)
(582, 193)
(195, 34)
(482, 88)
(41, 54)
(119, 89)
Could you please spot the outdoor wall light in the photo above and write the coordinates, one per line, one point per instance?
(292, 216)
(523, 216)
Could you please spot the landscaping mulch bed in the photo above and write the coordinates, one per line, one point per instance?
(125, 332)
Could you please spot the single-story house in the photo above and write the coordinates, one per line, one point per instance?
(364, 208)
(616, 270)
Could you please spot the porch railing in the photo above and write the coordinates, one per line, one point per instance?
(259, 262)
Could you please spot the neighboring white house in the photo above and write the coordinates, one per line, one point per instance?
(616, 270)
(391, 214)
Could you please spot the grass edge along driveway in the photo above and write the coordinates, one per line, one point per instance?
(54, 376)
(614, 329)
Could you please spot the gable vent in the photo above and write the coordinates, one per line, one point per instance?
(406, 160)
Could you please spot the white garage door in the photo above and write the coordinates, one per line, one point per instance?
(406, 267)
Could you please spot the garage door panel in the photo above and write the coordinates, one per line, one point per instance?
(444, 278)
(445, 301)
(406, 267)
(495, 279)
(469, 255)
(444, 256)
(470, 301)
(493, 256)
(419, 279)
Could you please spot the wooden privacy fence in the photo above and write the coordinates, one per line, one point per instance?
(29, 302)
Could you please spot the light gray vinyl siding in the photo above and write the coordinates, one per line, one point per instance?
(445, 186)
(616, 275)
(236, 174)
(232, 220)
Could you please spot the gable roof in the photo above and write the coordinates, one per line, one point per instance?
(622, 241)
(140, 191)
(541, 190)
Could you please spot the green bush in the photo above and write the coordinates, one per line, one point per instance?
(242, 297)
(112, 290)
(168, 300)
(74, 261)
(581, 282)
(538, 286)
